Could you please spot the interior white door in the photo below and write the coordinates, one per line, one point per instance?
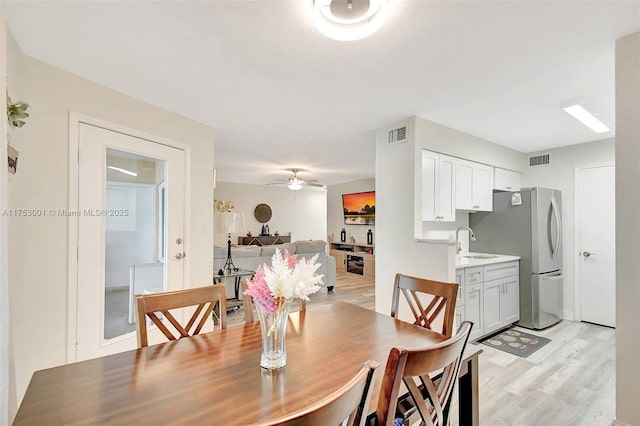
(123, 230)
(597, 274)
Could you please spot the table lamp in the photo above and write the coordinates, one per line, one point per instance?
(232, 223)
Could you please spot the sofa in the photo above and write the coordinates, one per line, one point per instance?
(250, 257)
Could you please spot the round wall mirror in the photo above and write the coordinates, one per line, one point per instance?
(262, 213)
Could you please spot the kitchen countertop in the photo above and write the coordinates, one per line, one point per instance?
(464, 262)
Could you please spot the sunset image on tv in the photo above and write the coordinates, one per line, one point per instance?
(359, 208)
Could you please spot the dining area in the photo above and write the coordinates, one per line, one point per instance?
(342, 362)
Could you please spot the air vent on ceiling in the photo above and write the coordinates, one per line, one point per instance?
(398, 135)
(539, 160)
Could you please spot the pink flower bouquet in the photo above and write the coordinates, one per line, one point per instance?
(286, 278)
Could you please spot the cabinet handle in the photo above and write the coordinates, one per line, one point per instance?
(508, 187)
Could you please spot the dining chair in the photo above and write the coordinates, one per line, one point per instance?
(443, 297)
(247, 304)
(345, 406)
(428, 398)
(205, 298)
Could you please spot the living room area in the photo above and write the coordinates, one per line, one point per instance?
(311, 215)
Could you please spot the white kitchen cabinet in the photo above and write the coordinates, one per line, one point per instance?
(491, 305)
(460, 311)
(438, 187)
(506, 180)
(510, 302)
(474, 186)
(474, 275)
(491, 296)
(474, 309)
(501, 303)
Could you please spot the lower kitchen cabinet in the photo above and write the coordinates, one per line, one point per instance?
(491, 303)
(491, 298)
(510, 302)
(459, 314)
(474, 309)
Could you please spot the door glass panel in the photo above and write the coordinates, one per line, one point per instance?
(135, 229)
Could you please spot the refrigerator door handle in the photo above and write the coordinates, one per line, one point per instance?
(555, 209)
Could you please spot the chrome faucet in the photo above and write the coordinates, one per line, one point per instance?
(471, 235)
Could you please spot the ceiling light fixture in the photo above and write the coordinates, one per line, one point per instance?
(126, 172)
(580, 112)
(295, 184)
(348, 20)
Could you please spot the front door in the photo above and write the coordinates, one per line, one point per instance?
(596, 224)
(130, 231)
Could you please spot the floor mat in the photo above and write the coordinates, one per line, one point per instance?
(515, 342)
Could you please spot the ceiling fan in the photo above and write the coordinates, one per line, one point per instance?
(295, 183)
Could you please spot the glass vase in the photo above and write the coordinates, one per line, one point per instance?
(273, 317)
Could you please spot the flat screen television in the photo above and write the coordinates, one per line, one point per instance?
(359, 208)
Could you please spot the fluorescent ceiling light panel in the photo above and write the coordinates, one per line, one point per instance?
(126, 172)
(578, 110)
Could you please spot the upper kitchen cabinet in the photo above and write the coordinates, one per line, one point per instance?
(438, 187)
(474, 186)
(506, 180)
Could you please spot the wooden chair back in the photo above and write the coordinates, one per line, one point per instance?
(443, 301)
(428, 398)
(247, 304)
(349, 403)
(204, 298)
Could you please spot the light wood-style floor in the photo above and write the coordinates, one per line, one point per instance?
(570, 381)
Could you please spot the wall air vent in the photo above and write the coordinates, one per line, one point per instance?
(539, 160)
(398, 135)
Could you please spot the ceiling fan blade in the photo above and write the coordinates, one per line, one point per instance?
(319, 185)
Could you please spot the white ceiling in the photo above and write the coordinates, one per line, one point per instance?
(281, 95)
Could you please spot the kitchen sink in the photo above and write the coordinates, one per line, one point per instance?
(480, 256)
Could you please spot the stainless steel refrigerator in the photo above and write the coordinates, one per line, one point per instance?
(527, 223)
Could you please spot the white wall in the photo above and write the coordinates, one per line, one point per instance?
(627, 229)
(445, 140)
(335, 214)
(38, 256)
(396, 249)
(302, 213)
(4, 276)
(560, 174)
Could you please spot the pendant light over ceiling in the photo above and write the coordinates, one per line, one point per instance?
(349, 20)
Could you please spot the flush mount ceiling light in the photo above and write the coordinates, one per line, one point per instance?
(580, 112)
(349, 20)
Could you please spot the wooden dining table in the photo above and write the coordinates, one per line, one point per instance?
(216, 379)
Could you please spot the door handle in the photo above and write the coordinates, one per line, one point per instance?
(555, 209)
(179, 256)
(587, 254)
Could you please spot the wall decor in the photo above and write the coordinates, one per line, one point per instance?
(223, 206)
(263, 213)
(16, 112)
(12, 159)
(359, 208)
